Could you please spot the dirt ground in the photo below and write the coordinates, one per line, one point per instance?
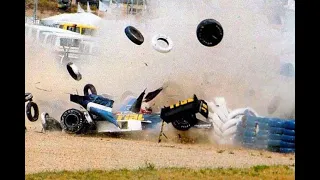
(60, 151)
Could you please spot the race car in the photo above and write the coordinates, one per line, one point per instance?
(97, 114)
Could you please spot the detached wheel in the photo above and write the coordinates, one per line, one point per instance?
(209, 32)
(74, 71)
(162, 43)
(72, 121)
(32, 116)
(134, 35)
(91, 88)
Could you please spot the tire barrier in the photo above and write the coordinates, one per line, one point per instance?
(289, 125)
(287, 138)
(289, 132)
(245, 128)
(249, 139)
(249, 133)
(228, 125)
(276, 130)
(273, 134)
(287, 150)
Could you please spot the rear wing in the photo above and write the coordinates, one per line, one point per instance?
(184, 108)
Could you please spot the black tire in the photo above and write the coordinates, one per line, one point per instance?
(31, 117)
(134, 35)
(184, 124)
(72, 121)
(91, 88)
(74, 71)
(209, 32)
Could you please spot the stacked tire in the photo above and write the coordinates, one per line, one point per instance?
(272, 134)
(277, 135)
(249, 135)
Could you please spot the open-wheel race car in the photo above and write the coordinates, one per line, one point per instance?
(96, 114)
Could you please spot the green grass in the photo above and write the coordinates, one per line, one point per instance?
(150, 172)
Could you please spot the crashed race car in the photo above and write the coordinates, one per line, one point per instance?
(96, 114)
(188, 113)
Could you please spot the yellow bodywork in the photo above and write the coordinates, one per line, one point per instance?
(78, 28)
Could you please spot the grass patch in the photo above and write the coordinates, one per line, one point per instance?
(150, 173)
(260, 167)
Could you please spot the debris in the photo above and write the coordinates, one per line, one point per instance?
(134, 35)
(209, 32)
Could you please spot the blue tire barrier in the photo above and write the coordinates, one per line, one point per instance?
(262, 137)
(269, 137)
(238, 139)
(249, 133)
(262, 142)
(273, 149)
(287, 138)
(275, 137)
(289, 125)
(274, 143)
(275, 123)
(287, 150)
(284, 144)
(250, 128)
(262, 146)
(251, 121)
(240, 128)
(275, 130)
(263, 120)
(263, 132)
(239, 133)
(289, 132)
(263, 126)
(249, 139)
(248, 145)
